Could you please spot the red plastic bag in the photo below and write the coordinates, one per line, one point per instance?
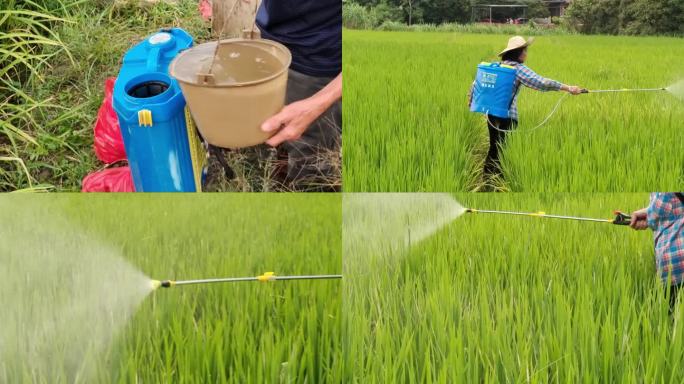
(109, 148)
(205, 9)
(117, 179)
(108, 142)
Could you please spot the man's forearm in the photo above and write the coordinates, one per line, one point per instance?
(330, 93)
(295, 118)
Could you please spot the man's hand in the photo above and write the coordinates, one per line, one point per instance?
(291, 122)
(639, 220)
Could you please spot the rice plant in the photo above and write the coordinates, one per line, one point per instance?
(514, 299)
(408, 128)
(284, 331)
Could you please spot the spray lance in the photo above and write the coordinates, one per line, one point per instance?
(619, 218)
(266, 277)
(624, 90)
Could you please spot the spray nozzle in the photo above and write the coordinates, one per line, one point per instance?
(155, 284)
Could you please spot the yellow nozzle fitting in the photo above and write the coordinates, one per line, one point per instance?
(471, 210)
(155, 284)
(540, 213)
(268, 276)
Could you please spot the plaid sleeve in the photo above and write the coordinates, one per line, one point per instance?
(654, 207)
(666, 218)
(530, 79)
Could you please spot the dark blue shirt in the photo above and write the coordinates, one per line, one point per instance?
(311, 29)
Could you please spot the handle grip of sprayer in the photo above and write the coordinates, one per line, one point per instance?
(622, 218)
(584, 90)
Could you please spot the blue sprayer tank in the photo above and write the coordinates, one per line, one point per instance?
(151, 112)
(493, 91)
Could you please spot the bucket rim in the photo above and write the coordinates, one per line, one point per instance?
(286, 65)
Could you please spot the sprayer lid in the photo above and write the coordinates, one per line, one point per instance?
(239, 62)
(159, 38)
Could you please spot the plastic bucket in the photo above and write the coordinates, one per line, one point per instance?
(245, 86)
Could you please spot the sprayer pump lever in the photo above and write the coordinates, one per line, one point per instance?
(622, 218)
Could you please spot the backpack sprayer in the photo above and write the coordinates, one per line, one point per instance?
(493, 92)
(619, 218)
(266, 277)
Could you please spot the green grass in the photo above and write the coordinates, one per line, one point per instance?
(58, 98)
(240, 332)
(515, 299)
(27, 44)
(408, 128)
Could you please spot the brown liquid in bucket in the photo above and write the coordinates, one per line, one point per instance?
(231, 99)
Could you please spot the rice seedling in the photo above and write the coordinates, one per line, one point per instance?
(492, 298)
(80, 280)
(408, 128)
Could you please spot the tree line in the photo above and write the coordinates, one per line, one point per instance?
(616, 17)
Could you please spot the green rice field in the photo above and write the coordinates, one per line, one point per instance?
(492, 299)
(408, 127)
(80, 262)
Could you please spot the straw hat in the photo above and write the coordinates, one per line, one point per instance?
(516, 42)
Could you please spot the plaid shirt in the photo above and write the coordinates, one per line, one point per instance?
(527, 77)
(666, 219)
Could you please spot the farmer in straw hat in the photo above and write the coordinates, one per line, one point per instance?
(515, 55)
(665, 216)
